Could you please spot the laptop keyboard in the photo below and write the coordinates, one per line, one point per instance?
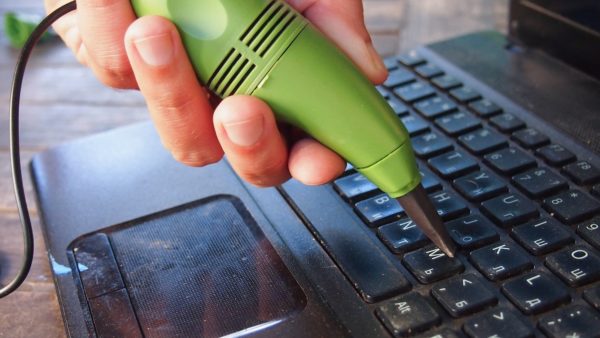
(522, 208)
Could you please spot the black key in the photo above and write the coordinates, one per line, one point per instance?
(582, 172)
(596, 190)
(530, 138)
(402, 236)
(590, 232)
(501, 260)
(355, 187)
(435, 106)
(411, 59)
(577, 265)
(448, 205)
(463, 295)
(542, 236)
(482, 141)
(101, 274)
(556, 155)
(407, 314)
(390, 63)
(507, 123)
(464, 94)
(485, 108)
(574, 321)
(113, 315)
(472, 231)
(458, 123)
(428, 181)
(499, 322)
(536, 292)
(539, 182)
(379, 210)
(415, 125)
(399, 77)
(430, 144)
(446, 82)
(430, 264)
(479, 186)
(384, 92)
(508, 210)
(414, 92)
(592, 296)
(453, 164)
(572, 206)
(509, 161)
(398, 107)
(429, 70)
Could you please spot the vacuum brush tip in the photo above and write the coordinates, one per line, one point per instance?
(419, 208)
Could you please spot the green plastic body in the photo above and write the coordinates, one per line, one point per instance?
(266, 49)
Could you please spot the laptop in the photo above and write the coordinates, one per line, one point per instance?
(507, 133)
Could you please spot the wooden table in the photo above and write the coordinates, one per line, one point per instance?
(62, 101)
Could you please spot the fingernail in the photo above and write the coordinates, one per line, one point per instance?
(245, 133)
(376, 58)
(156, 50)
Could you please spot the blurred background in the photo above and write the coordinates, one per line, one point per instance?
(63, 101)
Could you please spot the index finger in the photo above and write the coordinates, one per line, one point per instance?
(103, 24)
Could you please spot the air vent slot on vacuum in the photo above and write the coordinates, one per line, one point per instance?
(268, 27)
(231, 74)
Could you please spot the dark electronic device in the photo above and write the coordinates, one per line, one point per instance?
(507, 140)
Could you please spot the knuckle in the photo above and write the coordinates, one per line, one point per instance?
(115, 71)
(266, 174)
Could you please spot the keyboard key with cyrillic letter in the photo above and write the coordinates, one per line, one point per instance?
(402, 236)
(479, 186)
(431, 264)
(536, 292)
(501, 260)
(542, 236)
(379, 210)
(577, 265)
(430, 144)
(508, 210)
(472, 231)
(463, 295)
(453, 164)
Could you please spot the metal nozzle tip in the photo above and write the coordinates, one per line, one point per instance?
(419, 208)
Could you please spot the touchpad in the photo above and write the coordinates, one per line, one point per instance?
(203, 269)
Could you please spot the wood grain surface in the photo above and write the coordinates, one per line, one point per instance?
(63, 101)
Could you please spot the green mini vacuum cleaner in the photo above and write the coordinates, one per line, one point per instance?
(266, 49)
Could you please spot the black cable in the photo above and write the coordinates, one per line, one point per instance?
(15, 154)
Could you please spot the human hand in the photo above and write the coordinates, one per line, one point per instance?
(146, 53)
